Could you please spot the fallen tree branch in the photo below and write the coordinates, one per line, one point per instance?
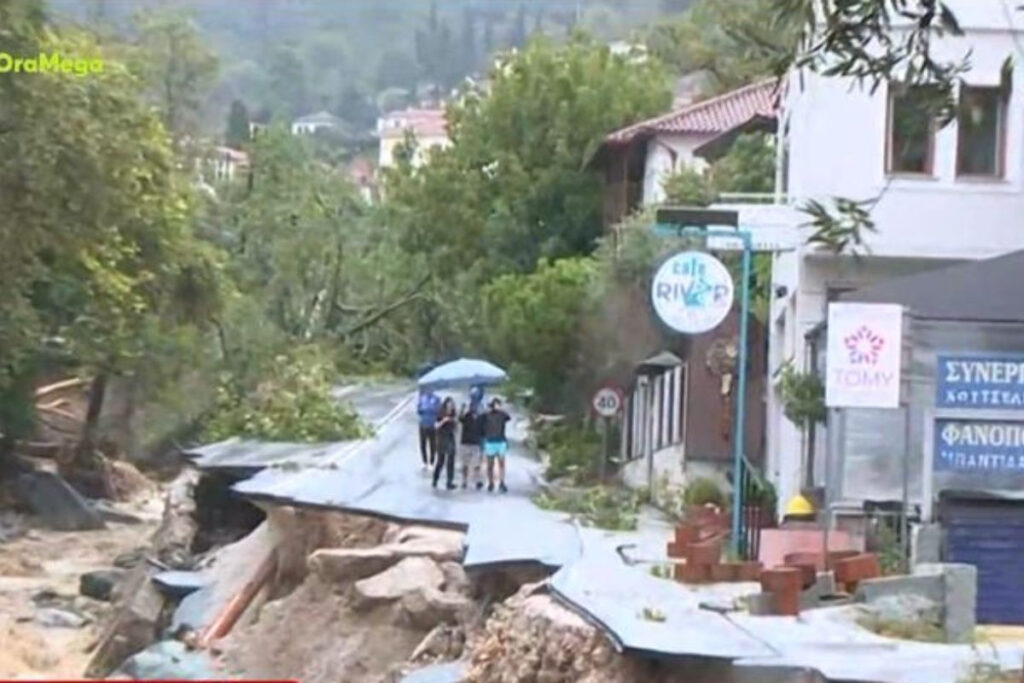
(41, 392)
(39, 449)
(381, 313)
(57, 411)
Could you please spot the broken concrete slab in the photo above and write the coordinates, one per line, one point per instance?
(178, 584)
(409, 575)
(345, 565)
(100, 583)
(649, 616)
(959, 599)
(169, 660)
(926, 586)
(59, 505)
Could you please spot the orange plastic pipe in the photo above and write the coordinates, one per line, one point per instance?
(231, 613)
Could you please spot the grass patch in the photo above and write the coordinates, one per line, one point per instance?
(980, 672)
(920, 631)
(603, 507)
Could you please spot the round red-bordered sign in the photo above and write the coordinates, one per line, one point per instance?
(607, 402)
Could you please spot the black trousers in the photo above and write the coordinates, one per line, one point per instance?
(446, 460)
(428, 444)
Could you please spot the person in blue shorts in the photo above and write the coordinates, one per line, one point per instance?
(495, 443)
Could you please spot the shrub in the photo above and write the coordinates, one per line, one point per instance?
(598, 506)
(704, 491)
(293, 404)
(572, 450)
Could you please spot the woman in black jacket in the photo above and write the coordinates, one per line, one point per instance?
(445, 428)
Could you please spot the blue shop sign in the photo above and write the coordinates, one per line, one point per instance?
(979, 446)
(984, 382)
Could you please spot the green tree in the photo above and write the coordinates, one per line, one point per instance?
(512, 186)
(237, 132)
(114, 263)
(736, 41)
(533, 323)
(176, 64)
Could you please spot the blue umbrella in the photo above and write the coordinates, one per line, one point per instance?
(463, 372)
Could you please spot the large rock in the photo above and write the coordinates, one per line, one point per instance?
(428, 607)
(345, 565)
(391, 585)
(100, 584)
(59, 505)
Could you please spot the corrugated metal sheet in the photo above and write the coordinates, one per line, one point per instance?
(990, 535)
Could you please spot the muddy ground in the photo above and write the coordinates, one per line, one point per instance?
(39, 578)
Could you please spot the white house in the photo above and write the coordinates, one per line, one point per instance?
(428, 126)
(227, 163)
(636, 160)
(936, 195)
(305, 125)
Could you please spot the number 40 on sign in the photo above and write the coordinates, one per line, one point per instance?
(607, 402)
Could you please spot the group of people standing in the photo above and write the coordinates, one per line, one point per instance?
(480, 435)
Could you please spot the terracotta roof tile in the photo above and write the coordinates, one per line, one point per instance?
(425, 123)
(714, 115)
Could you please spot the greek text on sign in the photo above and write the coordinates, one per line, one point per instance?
(979, 446)
(988, 382)
(692, 292)
(864, 354)
(607, 402)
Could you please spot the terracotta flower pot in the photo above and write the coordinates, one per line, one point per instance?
(784, 585)
(706, 553)
(852, 570)
(692, 573)
(748, 571)
(686, 534)
(802, 559)
(723, 573)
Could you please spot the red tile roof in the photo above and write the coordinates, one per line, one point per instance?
(711, 116)
(425, 123)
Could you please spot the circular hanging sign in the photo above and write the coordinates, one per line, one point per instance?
(692, 292)
(607, 402)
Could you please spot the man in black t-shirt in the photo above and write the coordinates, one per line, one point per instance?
(495, 443)
(469, 445)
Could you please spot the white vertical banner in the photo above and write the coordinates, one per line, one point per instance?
(865, 351)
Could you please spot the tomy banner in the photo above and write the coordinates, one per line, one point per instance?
(979, 446)
(982, 382)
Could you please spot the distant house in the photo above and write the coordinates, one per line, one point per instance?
(304, 125)
(637, 159)
(362, 174)
(427, 125)
(226, 163)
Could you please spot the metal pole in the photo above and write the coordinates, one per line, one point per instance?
(739, 432)
(602, 466)
(905, 513)
(834, 436)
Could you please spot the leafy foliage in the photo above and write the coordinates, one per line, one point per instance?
(573, 451)
(841, 227)
(237, 132)
(532, 321)
(704, 491)
(803, 397)
(293, 403)
(599, 506)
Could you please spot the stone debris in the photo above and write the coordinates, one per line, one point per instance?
(100, 584)
(56, 503)
(395, 583)
(52, 617)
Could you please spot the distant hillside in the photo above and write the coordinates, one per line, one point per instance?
(291, 57)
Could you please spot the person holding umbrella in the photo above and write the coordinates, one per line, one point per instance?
(427, 409)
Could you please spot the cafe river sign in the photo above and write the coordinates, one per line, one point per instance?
(692, 292)
(865, 345)
(980, 382)
(979, 446)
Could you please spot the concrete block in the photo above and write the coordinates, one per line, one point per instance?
(761, 604)
(929, 587)
(960, 585)
(925, 543)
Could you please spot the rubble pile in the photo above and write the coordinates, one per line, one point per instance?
(361, 610)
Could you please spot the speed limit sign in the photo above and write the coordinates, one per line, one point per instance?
(607, 402)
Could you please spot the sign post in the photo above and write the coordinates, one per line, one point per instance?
(863, 370)
(711, 300)
(607, 403)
